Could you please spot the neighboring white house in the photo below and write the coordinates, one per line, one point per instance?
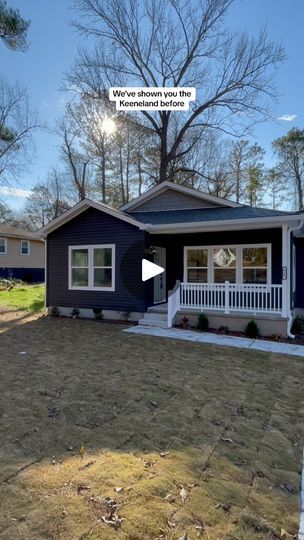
(22, 254)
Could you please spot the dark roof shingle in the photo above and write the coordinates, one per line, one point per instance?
(206, 214)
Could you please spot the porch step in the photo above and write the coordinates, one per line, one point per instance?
(161, 308)
(155, 316)
(158, 323)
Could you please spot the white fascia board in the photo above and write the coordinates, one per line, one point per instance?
(81, 207)
(235, 224)
(151, 193)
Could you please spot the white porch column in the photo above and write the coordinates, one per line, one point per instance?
(285, 271)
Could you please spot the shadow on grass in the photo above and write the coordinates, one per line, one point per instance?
(152, 416)
(36, 305)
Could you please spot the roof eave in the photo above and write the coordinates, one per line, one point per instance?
(233, 224)
(81, 207)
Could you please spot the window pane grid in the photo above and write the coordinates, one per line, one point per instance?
(2, 245)
(85, 273)
(236, 264)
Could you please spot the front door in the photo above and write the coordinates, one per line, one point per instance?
(160, 280)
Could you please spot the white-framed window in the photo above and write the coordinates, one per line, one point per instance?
(25, 247)
(3, 246)
(197, 265)
(250, 263)
(92, 267)
(255, 264)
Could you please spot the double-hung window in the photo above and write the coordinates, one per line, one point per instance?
(25, 247)
(197, 265)
(254, 264)
(92, 267)
(3, 246)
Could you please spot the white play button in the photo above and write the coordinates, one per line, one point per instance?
(150, 270)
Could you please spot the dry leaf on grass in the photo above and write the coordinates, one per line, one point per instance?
(112, 519)
(82, 451)
(148, 464)
(184, 494)
(226, 439)
(82, 487)
(224, 506)
(169, 498)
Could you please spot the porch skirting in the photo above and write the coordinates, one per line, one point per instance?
(269, 324)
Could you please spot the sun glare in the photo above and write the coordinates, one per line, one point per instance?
(108, 126)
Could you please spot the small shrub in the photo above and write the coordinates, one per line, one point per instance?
(276, 337)
(125, 315)
(55, 311)
(203, 322)
(252, 330)
(185, 322)
(98, 313)
(298, 325)
(224, 330)
(75, 313)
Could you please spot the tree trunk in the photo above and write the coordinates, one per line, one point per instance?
(121, 176)
(103, 170)
(163, 168)
(299, 190)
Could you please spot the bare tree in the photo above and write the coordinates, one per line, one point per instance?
(290, 151)
(243, 158)
(17, 123)
(169, 43)
(46, 202)
(77, 164)
(6, 214)
(86, 119)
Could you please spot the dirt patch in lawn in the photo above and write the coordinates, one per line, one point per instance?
(109, 435)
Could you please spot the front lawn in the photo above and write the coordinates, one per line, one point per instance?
(101, 429)
(24, 297)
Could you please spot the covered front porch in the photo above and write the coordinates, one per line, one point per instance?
(235, 275)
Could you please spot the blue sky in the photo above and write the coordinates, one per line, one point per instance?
(53, 47)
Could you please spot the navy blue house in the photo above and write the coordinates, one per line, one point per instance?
(232, 261)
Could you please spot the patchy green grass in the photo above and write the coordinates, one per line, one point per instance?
(24, 297)
(172, 437)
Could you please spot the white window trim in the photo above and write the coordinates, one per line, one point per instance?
(5, 246)
(90, 267)
(239, 260)
(28, 248)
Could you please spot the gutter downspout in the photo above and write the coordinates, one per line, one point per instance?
(289, 314)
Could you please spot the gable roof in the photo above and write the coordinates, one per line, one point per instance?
(81, 207)
(15, 232)
(178, 221)
(211, 214)
(164, 186)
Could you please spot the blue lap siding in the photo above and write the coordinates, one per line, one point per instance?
(89, 228)
(299, 271)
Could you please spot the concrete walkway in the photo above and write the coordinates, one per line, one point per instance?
(216, 339)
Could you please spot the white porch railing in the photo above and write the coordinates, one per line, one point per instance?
(226, 297)
(173, 303)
